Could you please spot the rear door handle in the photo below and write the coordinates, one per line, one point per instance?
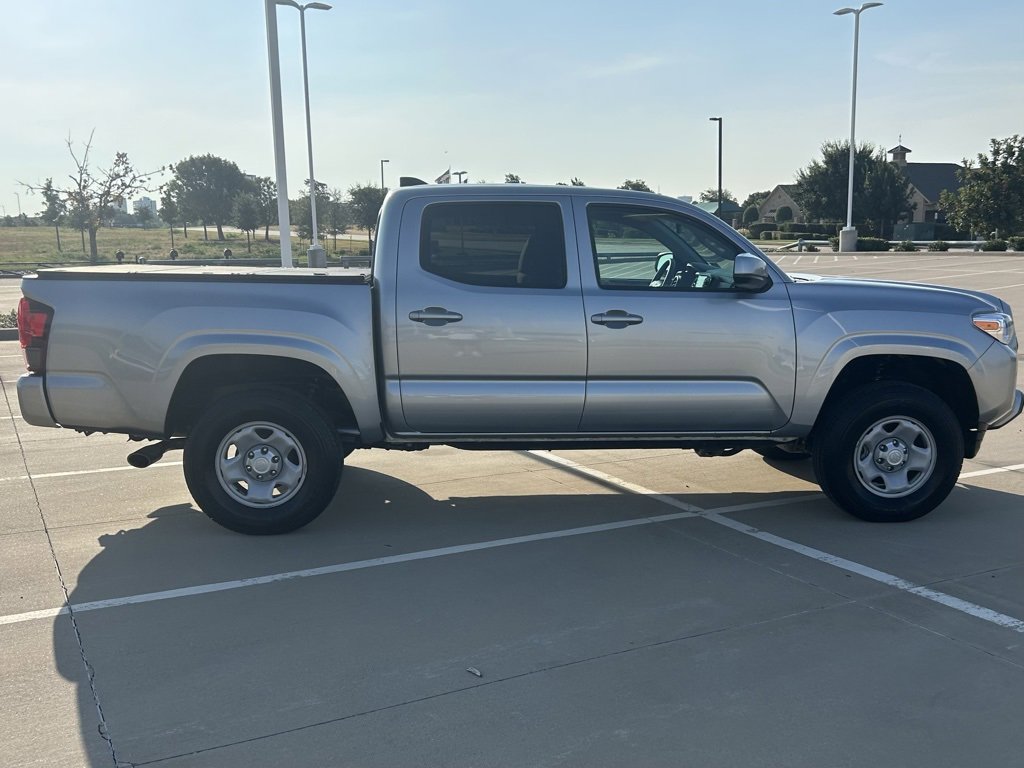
(434, 316)
(616, 318)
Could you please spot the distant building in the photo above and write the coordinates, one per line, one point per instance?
(144, 202)
(781, 196)
(927, 181)
(730, 212)
(119, 206)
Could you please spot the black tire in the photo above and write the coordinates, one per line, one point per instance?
(291, 440)
(774, 453)
(863, 430)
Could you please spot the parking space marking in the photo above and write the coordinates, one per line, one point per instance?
(991, 471)
(717, 516)
(73, 473)
(427, 554)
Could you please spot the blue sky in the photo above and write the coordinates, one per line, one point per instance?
(596, 89)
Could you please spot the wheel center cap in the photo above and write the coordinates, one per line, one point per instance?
(261, 465)
(894, 457)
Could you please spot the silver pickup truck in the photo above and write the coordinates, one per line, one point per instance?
(518, 317)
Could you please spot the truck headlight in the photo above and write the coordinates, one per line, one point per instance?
(998, 325)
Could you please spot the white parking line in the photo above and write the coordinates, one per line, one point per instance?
(716, 516)
(991, 471)
(203, 589)
(73, 473)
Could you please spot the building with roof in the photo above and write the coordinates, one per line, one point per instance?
(927, 181)
(780, 197)
(730, 212)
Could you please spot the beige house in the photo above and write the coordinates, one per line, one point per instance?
(781, 196)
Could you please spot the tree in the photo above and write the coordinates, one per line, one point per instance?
(710, 195)
(247, 216)
(54, 211)
(635, 184)
(512, 178)
(365, 201)
(991, 195)
(783, 214)
(205, 188)
(881, 193)
(266, 195)
(338, 216)
(755, 199)
(302, 215)
(144, 216)
(91, 194)
(751, 214)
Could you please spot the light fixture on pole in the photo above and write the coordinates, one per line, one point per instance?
(719, 121)
(460, 174)
(317, 256)
(277, 119)
(19, 202)
(848, 235)
(382, 173)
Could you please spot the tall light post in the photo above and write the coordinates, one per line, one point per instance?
(19, 202)
(277, 119)
(719, 121)
(460, 174)
(848, 235)
(316, 255)
(382, 172)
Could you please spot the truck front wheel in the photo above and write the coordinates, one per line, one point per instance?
(262, 462)
(888, 452)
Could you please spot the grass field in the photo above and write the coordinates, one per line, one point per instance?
(38, 245)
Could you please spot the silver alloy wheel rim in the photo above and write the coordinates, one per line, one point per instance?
(261, 465)
(895, 456)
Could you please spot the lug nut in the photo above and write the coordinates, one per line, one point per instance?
(252, 455)
(274, 459)
(259, 477)
(263, 449)
(248, 468)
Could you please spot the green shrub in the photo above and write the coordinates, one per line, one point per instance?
(1017, 243)
(994, 245)
(750, 215)
(784, 213)
(822, 231)
(872, 244)
(757, 229)
(834, 242)
(905, 246)
(766, 235)
(811, 248)
(938, 245)
(9, 319)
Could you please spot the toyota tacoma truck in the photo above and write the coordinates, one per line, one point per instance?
(518, 317)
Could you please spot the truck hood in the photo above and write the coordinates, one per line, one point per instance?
(898, 291)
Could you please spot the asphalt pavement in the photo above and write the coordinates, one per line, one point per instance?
(592, 608)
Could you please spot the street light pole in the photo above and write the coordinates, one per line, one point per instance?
(848, 235)
(719, 121)
(315, 254)
(460, 174)
(382, 172)
(277, 118)
(19, 202)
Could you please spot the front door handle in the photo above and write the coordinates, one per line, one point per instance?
(434, 316)
(616, 318)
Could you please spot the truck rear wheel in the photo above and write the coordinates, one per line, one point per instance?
(888, 452)
(262, 462)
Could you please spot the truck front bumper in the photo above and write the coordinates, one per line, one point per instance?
(32, 401)
(1013, 413)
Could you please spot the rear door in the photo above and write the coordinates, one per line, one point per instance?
(674, 347)
(489, 317)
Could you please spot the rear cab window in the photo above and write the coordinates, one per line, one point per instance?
(498, 244)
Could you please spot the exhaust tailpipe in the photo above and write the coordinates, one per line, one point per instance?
(151, 454)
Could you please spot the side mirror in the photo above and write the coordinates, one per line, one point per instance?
(750, 273)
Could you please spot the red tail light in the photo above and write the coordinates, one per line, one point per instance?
(33, 330)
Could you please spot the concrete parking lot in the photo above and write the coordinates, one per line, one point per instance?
(594, 608)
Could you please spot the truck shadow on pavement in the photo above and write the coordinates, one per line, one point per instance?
(189, 674)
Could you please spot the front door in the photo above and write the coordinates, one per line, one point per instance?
(490, 329)
(674, 348)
